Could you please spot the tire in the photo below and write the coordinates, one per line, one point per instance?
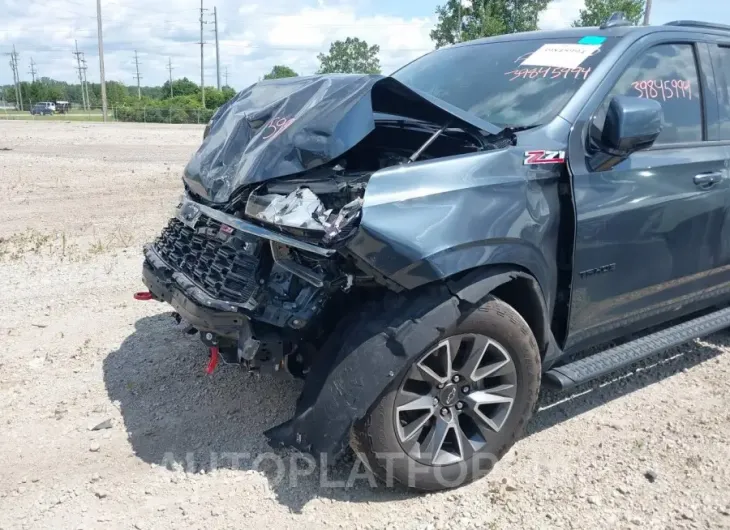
(378, 439)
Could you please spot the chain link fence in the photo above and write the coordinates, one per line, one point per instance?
(121, 114)
(162, 115)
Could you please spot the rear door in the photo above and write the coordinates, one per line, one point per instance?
(649, 230)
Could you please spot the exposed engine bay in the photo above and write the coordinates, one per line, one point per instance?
(324, 203)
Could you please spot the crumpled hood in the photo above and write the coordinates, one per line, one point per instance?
(282, 127)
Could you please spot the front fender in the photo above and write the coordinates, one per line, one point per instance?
(429, 221)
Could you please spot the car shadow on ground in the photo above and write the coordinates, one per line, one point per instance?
(179, 418)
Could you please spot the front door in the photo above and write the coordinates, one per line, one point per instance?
(648, 230)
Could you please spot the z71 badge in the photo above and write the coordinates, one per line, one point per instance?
(544, 157)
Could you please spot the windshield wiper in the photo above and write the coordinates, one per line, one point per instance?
(519, 128)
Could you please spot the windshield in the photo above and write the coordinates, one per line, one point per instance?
(521, 83)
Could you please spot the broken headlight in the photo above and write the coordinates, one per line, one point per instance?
(304, 210)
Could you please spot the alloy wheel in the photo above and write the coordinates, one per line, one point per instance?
(455, 399)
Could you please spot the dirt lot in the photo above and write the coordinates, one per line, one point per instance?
(649, 449)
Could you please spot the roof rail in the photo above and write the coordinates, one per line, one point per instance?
(698, 24)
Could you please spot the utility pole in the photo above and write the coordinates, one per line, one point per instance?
(14, 68)
(77, 53)
(101, 60)
(647, 12)
(15, 78)
(86, 83)
(169, 67)
(202, 57)
(137, 77)
(16, 83)
(32, 71)
(16, 72)
(226, 76)
(217, 49)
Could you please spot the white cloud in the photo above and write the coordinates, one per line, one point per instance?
(560, 14)
(253, 37)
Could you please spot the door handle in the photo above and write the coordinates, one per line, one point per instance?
(707, 180)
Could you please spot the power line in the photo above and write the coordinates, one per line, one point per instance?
(32, 70)
(217, 50)
(137, 77)
(169, 67)
(265, 47)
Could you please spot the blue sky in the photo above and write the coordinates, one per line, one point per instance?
(255, 35)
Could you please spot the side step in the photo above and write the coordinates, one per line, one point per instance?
(603, 363)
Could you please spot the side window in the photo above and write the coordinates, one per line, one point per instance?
(668, 74)
(722, 79)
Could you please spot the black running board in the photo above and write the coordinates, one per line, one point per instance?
(603, 363)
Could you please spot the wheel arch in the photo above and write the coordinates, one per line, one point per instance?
(518, 287)
(371, 346)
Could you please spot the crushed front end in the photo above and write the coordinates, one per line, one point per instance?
(260, 257)
(257, 294)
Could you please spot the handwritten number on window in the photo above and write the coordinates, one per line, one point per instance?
(663, 90)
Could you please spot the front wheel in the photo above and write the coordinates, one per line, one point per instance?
(458, 407)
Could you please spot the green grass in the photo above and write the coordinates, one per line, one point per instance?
(73, 115)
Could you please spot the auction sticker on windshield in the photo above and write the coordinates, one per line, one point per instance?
(561, 55)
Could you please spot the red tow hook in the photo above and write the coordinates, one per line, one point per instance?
(143, 295)
(213, 360)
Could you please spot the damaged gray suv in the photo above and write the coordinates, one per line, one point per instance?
(425, 249)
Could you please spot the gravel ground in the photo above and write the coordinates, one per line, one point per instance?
(646, 449)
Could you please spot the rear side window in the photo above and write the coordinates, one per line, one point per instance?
(723, 82)
(668, 74)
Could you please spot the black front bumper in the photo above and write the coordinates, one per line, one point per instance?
(192, 303)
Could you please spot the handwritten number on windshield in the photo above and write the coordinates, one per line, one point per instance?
(551, 72)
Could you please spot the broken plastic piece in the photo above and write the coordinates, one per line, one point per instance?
(183, 325)
(248, 347)
(303, 209)
(213, 360)
(143, 295)
(300, 209)
(348, 215)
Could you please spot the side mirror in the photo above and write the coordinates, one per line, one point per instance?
(631, 124)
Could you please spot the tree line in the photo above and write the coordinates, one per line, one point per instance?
(184, 94)
(458, 21)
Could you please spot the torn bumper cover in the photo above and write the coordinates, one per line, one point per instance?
(334, 398)
(194, 305)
